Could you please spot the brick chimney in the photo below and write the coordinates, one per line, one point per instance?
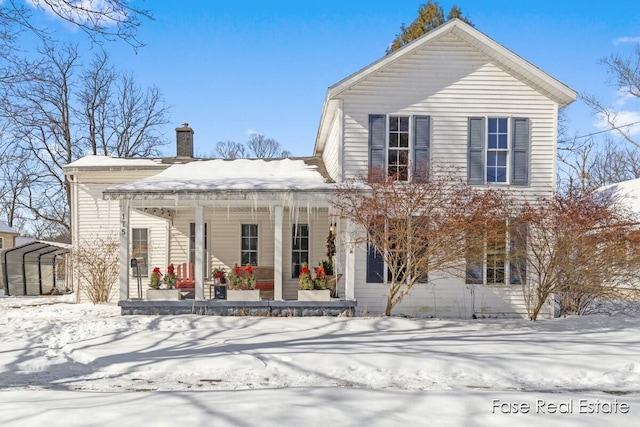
(184, 141)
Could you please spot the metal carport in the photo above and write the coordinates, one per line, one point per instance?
(30, 269)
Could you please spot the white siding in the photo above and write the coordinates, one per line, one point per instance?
(333, 147)
(442, 297)
(224, 238)
(450, 81)
(98, 219)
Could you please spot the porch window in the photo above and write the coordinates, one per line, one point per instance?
(300, 248)
(140, 249)
(249, 244)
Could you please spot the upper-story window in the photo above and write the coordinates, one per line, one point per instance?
(398, 153)
(399, 146)
(498, 150)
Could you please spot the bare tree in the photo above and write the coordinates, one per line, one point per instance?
(578, 246)
(103, 20)
(230, 150)
(96, 96)
(258, 146)
(591, 163)
(62, 112)
(265, 148)
(14, 180)
(417, 227)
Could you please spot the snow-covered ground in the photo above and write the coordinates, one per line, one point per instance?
(76, 364)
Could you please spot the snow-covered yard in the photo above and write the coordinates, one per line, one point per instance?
(67, 364)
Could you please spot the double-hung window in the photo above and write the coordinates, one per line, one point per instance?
(299, 248)
(140, 249)
(398, 146)
(249, 244)
(1, 242)
(504, 251)
(398, 152)
(498, 150)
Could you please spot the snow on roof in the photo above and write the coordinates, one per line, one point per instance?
(625, 192)
(107, 161)
(4, 228)
(240, 174)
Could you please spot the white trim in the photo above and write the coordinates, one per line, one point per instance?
(277, 254)
(294, 227)
(509, 149)
(125, 211)
(148, 255)
(199, 261)
(341, 156)
(350, 263)
(259, 250)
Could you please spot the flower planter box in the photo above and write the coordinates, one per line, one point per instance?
(243, 294)
(163, 294)
(314, 295)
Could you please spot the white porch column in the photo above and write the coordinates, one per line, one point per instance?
(350, 263)
(199, 271)
(124, 249)
(277, 255)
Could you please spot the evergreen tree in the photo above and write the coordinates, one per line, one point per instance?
(430, 16)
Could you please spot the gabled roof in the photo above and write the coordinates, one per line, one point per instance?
(4, 228)
(524, 70)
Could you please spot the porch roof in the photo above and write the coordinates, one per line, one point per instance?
(220, 176)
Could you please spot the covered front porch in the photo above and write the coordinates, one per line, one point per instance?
(215, 224)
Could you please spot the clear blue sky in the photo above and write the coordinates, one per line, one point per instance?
(230, 68)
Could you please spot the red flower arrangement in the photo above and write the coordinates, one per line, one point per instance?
(170, 278)
(154, 280)
(242, 278)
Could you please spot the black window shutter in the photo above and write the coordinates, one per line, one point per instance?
(421, 143)
(476, 160)
(375, 265)
(377, 144)
(520, 152)
(518, 247)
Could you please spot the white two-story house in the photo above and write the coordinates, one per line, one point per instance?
(453, 96)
